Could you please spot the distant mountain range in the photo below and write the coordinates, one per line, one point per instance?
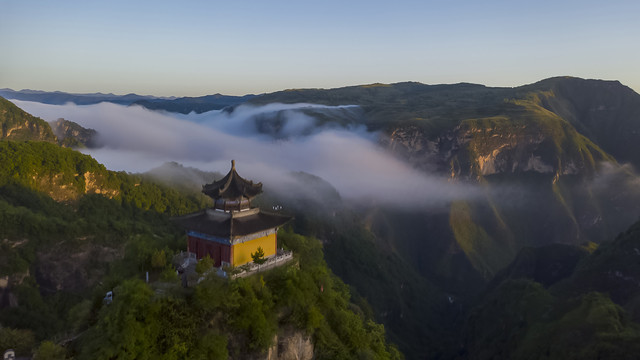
(201, 104)
(60, 98)
(182, 105)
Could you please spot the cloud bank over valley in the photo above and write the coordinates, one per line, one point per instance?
(267, 142)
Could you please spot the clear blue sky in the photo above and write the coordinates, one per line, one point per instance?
(190, 48)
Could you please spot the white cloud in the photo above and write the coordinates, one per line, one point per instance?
(136, 139)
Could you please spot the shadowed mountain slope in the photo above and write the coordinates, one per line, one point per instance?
(590, 311)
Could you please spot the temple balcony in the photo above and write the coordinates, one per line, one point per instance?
(249, 269)
(190, 278)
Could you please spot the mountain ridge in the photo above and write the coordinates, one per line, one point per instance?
(61, 97)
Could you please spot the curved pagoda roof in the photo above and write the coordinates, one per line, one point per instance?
(232, 187)
(228, 226)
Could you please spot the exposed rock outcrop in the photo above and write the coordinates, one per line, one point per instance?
(480, 147)
(73, 267)
(7, 285)
(71, 134)
(62, 187)
(16, 124)
(291, 344)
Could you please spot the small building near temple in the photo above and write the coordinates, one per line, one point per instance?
(232, 230)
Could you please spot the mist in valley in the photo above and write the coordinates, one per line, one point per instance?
(135, 139)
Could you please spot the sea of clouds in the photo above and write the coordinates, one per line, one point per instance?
(135, 139)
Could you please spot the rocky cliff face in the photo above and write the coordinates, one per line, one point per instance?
(27, 130)
(549, 163)
(8, 283)
(481, 147)
(63, 187)
(536, 141)
(71, 134)
(560, 126)
(74, 267)
(291, 344)
(15, 124)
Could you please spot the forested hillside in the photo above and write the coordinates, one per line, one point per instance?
(562, 302)
(65, 175)
(72, 230)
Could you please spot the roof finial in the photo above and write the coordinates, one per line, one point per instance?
(233, 164)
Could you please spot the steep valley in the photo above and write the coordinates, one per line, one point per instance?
(545, 179)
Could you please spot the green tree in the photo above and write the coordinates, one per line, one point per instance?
(252, 313)
(258, 256)
(178, 330)
(314, 319)
(204, 264)
(211, 346)
(21, 341)
(158, 259)
(78, 315)
(129, 328)
(50, 351)
(169, 274)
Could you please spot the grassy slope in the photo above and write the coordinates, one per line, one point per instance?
(607, 112)
(431, 107)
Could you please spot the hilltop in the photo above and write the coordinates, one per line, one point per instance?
(72, 230)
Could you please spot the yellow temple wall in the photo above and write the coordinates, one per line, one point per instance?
(242, 251)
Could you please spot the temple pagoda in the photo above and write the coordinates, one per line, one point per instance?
(232, 230)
